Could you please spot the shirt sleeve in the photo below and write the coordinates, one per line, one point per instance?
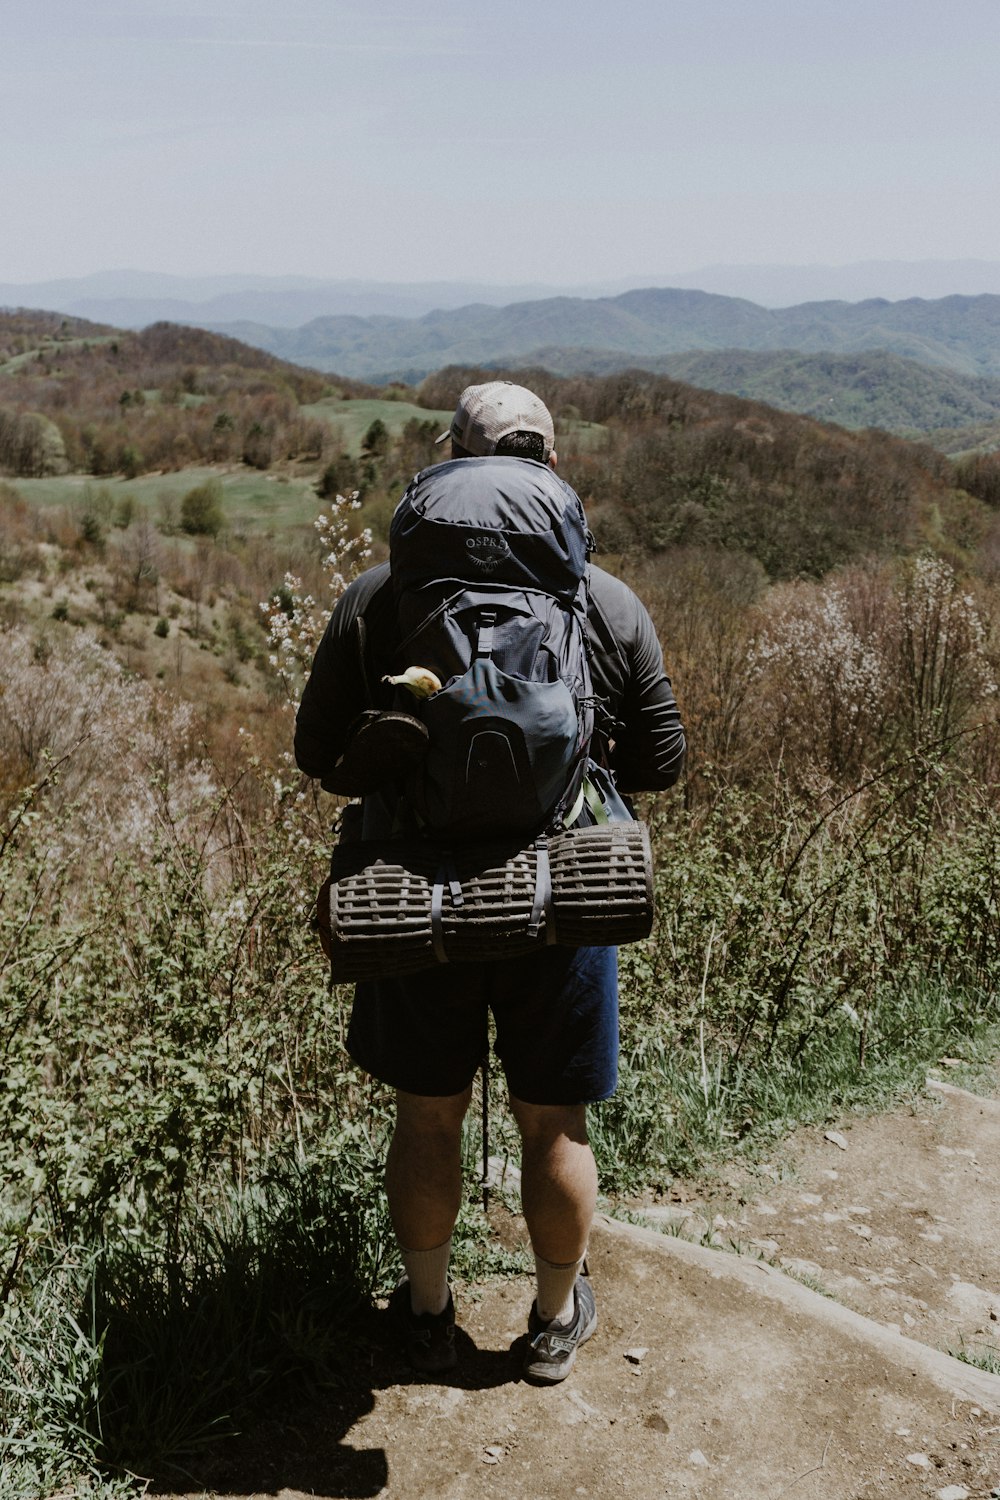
(648, 748)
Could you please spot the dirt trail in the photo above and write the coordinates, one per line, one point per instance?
(714, 1374)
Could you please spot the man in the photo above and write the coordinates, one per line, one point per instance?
(555, 1011)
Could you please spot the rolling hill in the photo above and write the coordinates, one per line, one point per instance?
(961, 334)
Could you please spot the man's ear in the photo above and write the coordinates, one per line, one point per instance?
(552, 459)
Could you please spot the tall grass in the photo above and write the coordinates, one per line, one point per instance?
(190, 1202)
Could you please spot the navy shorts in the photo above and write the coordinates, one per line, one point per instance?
(556, 1016)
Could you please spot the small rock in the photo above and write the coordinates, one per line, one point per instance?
(902, 1432)
(672, 1214)
(811, 1200)
(953, 1492)
(831, 1173)
(861, 1230)
(950, 1062)
(637, 1355)
(698, 1459)
(582, 1406)
(909, 1320)
(492, 1455)
(918, 1460)
(836, 1139)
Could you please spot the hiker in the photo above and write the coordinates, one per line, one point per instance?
(555, 1009)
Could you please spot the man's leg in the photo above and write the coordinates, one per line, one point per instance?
(424, 1187)
(558, 1196)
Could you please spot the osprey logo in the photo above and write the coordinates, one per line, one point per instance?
(487, 550)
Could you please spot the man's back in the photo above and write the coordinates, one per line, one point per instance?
(554, 1010)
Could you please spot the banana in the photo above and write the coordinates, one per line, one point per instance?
(421, 681)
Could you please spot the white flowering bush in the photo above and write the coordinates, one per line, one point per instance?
(119, 760)
(822, 678)
(296, 620)
(943, 662)
(871, 664)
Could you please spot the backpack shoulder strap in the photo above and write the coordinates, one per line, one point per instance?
(601, 626)
(605, 724)
(376, 635)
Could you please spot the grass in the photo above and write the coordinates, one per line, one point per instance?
(252, 501)
(352, 419)
(52, 348)
(675, 1115)
(984, 1355)
(142, 1351)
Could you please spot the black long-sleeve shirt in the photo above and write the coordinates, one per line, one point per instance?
(626, 666)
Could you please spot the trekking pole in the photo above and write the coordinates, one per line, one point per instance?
(486, 1129)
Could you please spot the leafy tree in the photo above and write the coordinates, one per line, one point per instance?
(376, 439)
(201, 509)
(340, 477)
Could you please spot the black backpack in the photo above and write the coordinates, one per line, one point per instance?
(488, 561)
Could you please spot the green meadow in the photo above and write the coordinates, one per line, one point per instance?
(352, 419)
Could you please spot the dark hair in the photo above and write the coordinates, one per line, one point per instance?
(522, 445)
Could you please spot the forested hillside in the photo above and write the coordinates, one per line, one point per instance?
(955, 333)
(854, 390)
(79, 398)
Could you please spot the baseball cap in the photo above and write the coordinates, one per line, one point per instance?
(487, 413)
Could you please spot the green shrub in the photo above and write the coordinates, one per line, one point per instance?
(201, 509)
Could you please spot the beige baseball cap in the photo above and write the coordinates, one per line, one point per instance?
(487, 413)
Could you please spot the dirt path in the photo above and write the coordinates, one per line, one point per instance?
(715, 1374)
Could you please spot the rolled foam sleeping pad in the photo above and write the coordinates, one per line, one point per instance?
(397, 906)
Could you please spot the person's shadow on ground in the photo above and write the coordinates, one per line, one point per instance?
(301, 1443)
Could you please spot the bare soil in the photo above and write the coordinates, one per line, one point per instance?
(787, 1336)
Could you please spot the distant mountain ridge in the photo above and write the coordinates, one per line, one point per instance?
(954, 333)
(133, 299)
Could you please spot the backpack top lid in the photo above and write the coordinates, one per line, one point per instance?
(507, 522)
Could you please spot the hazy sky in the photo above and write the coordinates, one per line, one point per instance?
(556, 140)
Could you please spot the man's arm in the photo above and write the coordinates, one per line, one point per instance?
(649, 744)
(337, 692)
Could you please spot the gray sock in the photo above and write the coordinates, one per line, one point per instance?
(555, 1283)
(427, 1273)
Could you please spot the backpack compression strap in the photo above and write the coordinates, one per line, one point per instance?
(446, 874)
(541, 906)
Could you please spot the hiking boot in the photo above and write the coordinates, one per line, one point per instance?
(430, 1337)
(552, 1346)
(380, 747)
